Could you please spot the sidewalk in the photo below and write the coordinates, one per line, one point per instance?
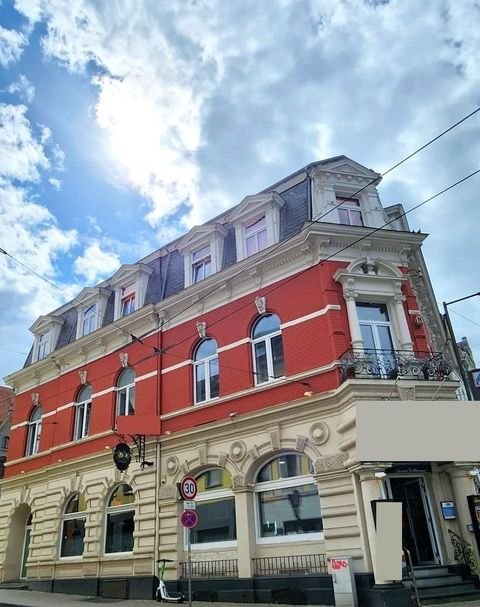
(28, 598)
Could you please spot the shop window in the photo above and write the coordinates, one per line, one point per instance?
(120, 520)
(73, 526)
(267, 347)
(216, 510)
(287, 500)
(206, 372)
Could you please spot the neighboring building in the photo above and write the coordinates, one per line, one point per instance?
(240, 351)
(6, 407)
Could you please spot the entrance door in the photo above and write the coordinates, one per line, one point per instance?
(417, 531)
(26, 546)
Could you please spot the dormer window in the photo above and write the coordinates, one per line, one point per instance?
(46, 330)
(202, 250)
(128, 300)
(130, 285)
(349, 211)
(92, 303)
(256, 237)
(201, 264)
(257, 223)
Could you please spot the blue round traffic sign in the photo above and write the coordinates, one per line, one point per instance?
(189, 518)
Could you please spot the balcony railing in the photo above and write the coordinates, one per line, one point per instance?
(390, 364)
(290, 565)
(220, 568)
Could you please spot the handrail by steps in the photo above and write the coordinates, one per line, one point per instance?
(406, 551)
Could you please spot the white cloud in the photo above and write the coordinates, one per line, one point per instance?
(11, 46)
(205, 102)
(23, 87)
(23, 156)
(55, 183)
(96, 264)
(29, 232)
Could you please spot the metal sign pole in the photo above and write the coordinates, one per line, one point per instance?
(189, 567)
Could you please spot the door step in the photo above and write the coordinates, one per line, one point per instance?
(438, 584)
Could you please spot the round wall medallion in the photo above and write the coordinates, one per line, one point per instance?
(237, 450)
(319, 433)
(172, 464)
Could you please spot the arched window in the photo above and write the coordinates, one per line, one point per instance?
(126, 393)
(82, 413)
(287, 499)
(267, 349)
(215, 505)
(205, 371)
(120, 513)
(34, 431)
(73, 530)
(26, 547)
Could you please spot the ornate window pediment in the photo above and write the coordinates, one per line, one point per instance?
(46, 330)
(202, 250)
(257, 223)
(92, 303)
(130, 286)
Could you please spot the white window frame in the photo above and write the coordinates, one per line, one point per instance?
(348, 205)
(268, 351)
(283, 483)
(69, 517)
(128, 299)
(205, 362)
(89, 319)
(44, 347)
(254, 233)
(375, 281)
(34, 433)
(210, 496)
(204, 262)
(378, 323)
(135, 278)
(88, 297)
(86, 405)
(118, 510)
(127, 388)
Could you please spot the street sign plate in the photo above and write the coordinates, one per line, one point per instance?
(189, 518)
(188, 488)
(189, 505)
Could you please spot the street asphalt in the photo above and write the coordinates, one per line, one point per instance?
(28, 598)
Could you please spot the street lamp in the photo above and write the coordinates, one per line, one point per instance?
(466, 379)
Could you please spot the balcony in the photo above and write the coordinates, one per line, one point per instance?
(391, 364)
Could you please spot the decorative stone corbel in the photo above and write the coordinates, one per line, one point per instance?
(261, 304)
(123, 359)
(35, 398)
(83, 377)
(201, 329)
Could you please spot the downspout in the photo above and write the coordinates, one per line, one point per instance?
(158, 409)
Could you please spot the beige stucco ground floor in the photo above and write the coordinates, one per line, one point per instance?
(280, 493)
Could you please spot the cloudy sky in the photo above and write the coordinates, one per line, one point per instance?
(125, 122)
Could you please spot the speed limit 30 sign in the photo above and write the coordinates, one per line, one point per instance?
(188, 488)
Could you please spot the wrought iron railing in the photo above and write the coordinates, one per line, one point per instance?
(463, 552)
(219, 568)
(390, 364)
(290, 565)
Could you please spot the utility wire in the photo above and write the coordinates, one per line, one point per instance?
(291, 278)
(373, 231)
(271, 250)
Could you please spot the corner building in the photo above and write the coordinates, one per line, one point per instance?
(235, 354)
